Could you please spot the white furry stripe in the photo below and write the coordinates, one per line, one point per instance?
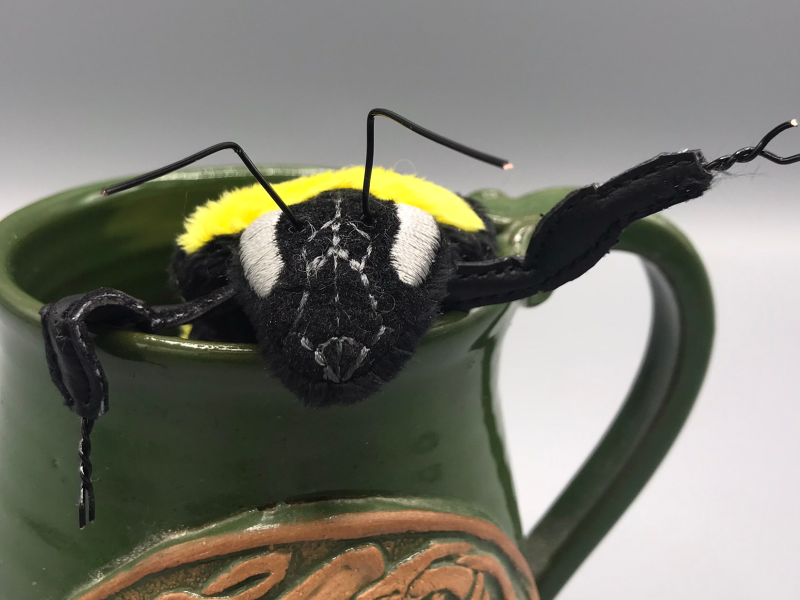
(415, 245)
(259, 253)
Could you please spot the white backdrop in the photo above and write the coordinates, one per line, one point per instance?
(572, 92)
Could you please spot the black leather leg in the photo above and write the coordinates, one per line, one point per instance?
(75, 367)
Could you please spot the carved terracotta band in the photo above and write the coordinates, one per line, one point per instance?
(339, 527)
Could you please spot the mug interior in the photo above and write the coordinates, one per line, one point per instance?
(79, 240)
(84, 240)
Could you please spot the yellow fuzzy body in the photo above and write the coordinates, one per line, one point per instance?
(235, 210)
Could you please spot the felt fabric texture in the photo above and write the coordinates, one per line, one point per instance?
(580, 230)
(69, 346)
(237, 209)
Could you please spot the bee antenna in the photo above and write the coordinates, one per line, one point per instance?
(136, 181)
(435, 137)
(723, 163)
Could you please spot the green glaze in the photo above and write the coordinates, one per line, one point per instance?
(199, 432)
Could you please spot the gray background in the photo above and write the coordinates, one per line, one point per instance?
(571, 92)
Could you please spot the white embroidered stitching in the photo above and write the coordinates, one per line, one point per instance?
(415, 245)
(336, 252)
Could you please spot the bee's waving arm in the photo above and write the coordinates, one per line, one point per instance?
(71, 355)
(587, 223)
(579, 231)
(72, 358)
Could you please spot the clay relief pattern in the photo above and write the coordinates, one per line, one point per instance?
(408, 566)
(442, 571)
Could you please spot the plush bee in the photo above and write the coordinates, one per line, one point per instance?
(337, 305)
(338, 275)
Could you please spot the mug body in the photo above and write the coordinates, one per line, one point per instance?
(202, 446)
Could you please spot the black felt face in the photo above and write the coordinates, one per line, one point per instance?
(336, 312)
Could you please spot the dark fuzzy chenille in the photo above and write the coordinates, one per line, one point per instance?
(334, 347)
(200, 273)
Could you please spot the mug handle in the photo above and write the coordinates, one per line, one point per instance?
(656, 408)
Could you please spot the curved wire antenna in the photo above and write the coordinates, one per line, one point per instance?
(426, 133)
(723, 163)
(86, 500)
(136, 181)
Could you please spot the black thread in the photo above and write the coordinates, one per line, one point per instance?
(86, 510)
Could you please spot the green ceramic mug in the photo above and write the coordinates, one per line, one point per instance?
(214, 482)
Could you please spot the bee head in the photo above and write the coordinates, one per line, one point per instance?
(339, 306)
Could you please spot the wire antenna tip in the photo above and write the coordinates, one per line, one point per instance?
(745, 155)
(508, 166)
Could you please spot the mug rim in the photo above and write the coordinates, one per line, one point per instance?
(26, 221)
